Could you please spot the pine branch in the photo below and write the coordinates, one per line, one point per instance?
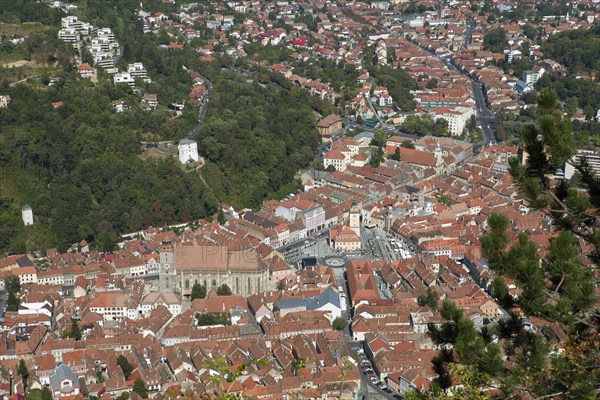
(562, 279)
(549, 395)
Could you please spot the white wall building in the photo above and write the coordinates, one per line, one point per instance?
(123, 77)
(168, 299)
(188, 151)
(68, 35)
(335, 158)
(137, 70)
(592, 157)
(457, 118)
(25, 275)
(27, 215)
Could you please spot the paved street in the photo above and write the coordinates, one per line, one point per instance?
(484, 114)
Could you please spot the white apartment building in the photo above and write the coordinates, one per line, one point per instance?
(137, 70)
(106, 33)
(335, 158)
(123, 77)
(112, 306)
(104, 60)
(99, 44)
(71, 21)
(50, 278)
(592, 157)
(530, 77)
(457, 118)
(25, 274)
(68, 35)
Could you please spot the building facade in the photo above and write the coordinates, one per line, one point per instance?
(188, 151)
(27, 215)
(184, 265)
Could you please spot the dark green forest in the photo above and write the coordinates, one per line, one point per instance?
(79, 166)
(255, 138)
(578, 50)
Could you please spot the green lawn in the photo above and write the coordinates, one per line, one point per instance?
(15, 55)
(21, 29)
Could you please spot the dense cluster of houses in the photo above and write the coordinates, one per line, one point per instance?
(136, 301)
(79, 311)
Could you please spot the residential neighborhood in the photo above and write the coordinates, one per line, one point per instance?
(433, 200)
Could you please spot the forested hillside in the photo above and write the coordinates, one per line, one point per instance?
(79, 166)
(578, 50)
(255, 137)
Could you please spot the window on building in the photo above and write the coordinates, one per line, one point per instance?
(187, 284)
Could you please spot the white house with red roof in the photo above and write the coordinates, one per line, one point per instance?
(86, 70)
(336, 159)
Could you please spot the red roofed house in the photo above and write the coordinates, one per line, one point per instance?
(328, 125)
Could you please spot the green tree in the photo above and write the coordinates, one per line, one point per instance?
(126, 367)
(376, 157)
(429, 298)
(297, 365)
(471, 125)
(281, 285)
(440, 127)
(47, 394)
(139, 387)
(23, 372)
(123, 396)
(12, 302)
(571, 105)
(557, 288)
(75, 331)
(432, 83)
(12, 284)
(339, 324)
(221, 217)
(34, 394)
(469, 348)
(407, 144)
(224, 290)
(395, 155)
(379, 138)
(198, 291)
(209, 319)
(495, 40)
